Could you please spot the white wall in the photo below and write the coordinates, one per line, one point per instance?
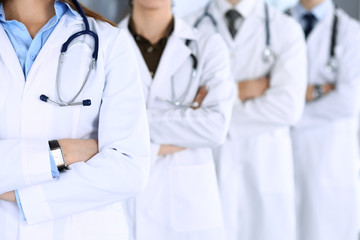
(184, 7)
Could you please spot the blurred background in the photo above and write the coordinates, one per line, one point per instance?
(115, 10)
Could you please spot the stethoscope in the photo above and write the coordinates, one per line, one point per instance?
(268, 55)
(178, 101)
(87, 102)
(332, 63)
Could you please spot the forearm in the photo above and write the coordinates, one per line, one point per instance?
(23, 163)
(188, 128)
(9, 196)
(169, 149)
(315, 92)
(108, 177)
(341, 103)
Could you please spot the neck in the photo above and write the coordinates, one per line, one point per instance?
(34, 14)
(151, 23)
(310, 4)
(234, 2)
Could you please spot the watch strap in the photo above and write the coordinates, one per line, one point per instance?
(57, 154)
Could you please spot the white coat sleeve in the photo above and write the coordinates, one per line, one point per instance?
(344, 101)
(23, 163)
(283, 102)
(208, 125)
(120, 170)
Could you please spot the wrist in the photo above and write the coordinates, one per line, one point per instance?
(58, 155)
(317, 92)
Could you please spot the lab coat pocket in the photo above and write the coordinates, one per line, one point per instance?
(194, 198)
(104, 223)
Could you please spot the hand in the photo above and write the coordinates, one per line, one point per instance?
(326, 89)
(169, 149)
(253, 88)
(78, 150)
(9, 196)
(199, 98)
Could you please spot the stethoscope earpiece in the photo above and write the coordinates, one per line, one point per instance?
(85, 103)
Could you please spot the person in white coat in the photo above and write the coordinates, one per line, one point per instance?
(254, 165)
(325, 141)
(188, 92)
(103, 140)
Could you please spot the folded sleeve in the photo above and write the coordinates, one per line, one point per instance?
(206, 126)
(24, 163)
(121, 168)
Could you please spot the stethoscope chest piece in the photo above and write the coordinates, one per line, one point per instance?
(268, 55)
(72, 102)
(331, 65)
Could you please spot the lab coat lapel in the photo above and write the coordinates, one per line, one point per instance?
(175, 54)
(10, 59)
(252, 22)
(222, 28)
(144, 70)
(68, 25)
(326, 24)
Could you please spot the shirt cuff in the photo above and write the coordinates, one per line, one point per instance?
(19, 204)
(54, 170)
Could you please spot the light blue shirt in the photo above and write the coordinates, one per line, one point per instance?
(27, 49)
(320, 11)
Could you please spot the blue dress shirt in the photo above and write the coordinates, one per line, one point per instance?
(320, 11)
(27, 49)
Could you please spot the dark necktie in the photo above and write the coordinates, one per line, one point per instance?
(310, 21)
(232, 15)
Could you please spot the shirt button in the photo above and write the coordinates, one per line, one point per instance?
(32, 56)
(150, 49)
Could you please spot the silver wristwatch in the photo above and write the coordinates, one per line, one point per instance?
(57, 155)
(318, 92)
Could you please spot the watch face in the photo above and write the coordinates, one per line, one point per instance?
(58, 158)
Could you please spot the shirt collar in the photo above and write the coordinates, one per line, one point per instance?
(320, 11)
(138, 37)
(60, 9)
(244, 7)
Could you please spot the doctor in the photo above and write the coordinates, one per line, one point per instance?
(188, 92)
(254, 165)
(52, 113)
(325, 141)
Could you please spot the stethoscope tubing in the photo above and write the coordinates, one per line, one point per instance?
(87, 102)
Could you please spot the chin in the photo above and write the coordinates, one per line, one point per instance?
(153, 4)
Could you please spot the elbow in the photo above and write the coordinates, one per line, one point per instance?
(292, 111)
(132, 176)
(138, 178)
(219, 131)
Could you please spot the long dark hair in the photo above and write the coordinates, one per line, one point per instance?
(87, 11)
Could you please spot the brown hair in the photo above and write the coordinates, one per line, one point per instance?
(87, 11)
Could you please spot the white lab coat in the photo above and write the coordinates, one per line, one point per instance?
(254, 165)
(325, 141)
(84, 202)
(182, 200)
